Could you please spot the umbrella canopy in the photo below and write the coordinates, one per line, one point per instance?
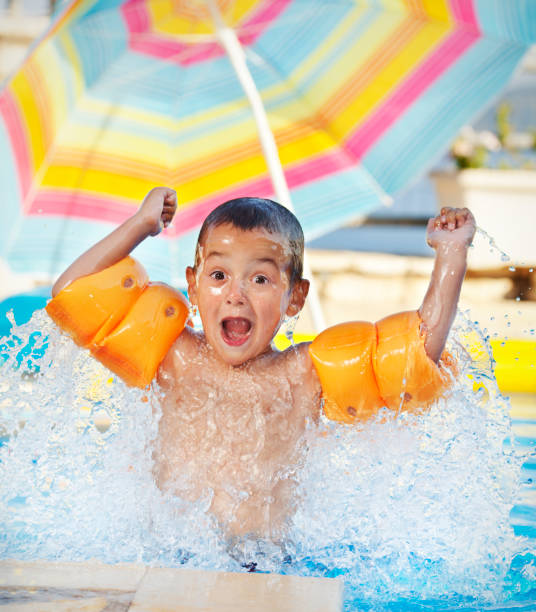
(122, 95)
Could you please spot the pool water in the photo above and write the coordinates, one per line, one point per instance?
(412, 512)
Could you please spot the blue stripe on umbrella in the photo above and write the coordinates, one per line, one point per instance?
(501, 18)
(480, 74)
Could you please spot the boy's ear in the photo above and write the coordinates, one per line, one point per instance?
(192, 285)
(297, 297)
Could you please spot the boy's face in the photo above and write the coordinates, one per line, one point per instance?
(242, 289)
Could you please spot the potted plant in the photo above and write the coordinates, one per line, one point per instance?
(494, 175)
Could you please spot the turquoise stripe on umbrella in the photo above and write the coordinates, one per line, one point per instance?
(424, 133)
(99, 41)
(508, 19)
(346, 195)
(306, 24)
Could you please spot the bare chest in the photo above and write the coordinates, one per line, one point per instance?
(235, 435)
(233, 423)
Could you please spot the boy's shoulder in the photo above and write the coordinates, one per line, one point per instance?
(184, 353)
(296, 354)
(297, 364)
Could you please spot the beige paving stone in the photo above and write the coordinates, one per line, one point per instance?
(42, 586)
(88, 576)
(96, 604)
(183, 590)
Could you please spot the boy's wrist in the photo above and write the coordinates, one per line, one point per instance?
(142, 224)
(451, 260)
(450, 251)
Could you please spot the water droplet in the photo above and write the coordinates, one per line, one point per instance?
(493, 245)
(102, 420)
(290, 326)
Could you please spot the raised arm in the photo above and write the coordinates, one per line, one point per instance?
(450, 234)
(154, 214)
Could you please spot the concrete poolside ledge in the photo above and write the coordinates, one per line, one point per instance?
(369, 263)
(93, 586)
(354, 285)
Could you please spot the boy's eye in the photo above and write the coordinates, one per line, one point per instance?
(218, 275)
(260, 279)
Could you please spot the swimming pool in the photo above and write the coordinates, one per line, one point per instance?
(412, 513)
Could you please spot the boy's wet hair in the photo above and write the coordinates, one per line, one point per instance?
(259, 213)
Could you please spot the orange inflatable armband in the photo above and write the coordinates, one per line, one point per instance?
(135, 348)
(407, 378)
(93, 305)
(126, 322)
(342, 356)
(364, 366)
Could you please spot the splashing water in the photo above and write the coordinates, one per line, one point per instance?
(290, 326)
(418, 505)
(76, 466)
(404, 509)
(493, 245)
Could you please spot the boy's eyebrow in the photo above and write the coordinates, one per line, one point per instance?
(214, 254)
(270, 260)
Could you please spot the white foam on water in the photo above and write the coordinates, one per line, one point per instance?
(414, 506)
(76, 472)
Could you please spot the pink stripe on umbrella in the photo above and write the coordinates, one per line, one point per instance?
(318, 167)
(412, 88)
(463, 11)
(81, 205)
(16, 131)
(192, 216)
(155, 46)
(261, 18)
(144, 40)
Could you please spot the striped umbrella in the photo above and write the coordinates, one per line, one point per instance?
(361, 97)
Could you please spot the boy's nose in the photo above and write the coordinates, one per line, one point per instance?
(235, 295)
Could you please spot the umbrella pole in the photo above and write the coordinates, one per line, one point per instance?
(233, 48)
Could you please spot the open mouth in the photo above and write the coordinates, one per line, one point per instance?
(235, 330)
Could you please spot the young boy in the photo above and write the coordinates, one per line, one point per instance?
(234, 410)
